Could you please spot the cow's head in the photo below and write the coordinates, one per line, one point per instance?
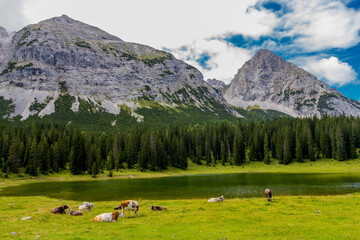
(117, 207)
(115, 215)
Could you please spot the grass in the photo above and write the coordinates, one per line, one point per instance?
(254, 218)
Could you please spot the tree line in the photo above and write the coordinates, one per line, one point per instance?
(50, 147)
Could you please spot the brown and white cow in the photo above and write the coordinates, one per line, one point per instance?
(128, 205)
(268, 195)
(107, 217)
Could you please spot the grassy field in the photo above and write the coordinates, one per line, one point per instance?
(289, 217)
(254, 218)
(319, 166)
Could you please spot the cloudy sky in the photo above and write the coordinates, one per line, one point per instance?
(218, 36)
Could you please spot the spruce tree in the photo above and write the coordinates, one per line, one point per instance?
(33, 158)
(311, 147)
(266, 150)
(238, 149)
(340, 144)
(14, 158)
(298, 151)
(183, 163)
(223, 153)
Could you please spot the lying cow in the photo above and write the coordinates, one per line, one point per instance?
(85, 206)
(268, 195)
(107, 217)
(75, 213)
(157, 208)
(218, 199)
(129, 205)
(59, 210)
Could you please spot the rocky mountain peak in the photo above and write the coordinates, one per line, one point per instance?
(270, 82)
(268, 61)
(64, 26)
(97, 69)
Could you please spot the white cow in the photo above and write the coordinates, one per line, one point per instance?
(218, 199)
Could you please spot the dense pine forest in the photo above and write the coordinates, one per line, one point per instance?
(49, 147)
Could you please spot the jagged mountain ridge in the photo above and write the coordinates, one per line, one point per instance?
(270, 82)
(100, 71)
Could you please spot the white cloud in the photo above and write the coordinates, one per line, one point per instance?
(224, 60)
(333, 71)
(11, 15)
(321, 24)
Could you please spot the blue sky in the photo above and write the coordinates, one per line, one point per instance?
(219, 36)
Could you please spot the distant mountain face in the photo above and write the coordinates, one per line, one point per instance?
(97, 72)
(270, 82)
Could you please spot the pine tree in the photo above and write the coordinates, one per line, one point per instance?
(266, 150)
(223, 153)
(56, 157)
(95, 170)
(77, 154)
(311, 146)
(14, 158)
(116, 150)
(33, 158)
(42, 156)
(183, 163)
(238, 149)
(207, 150)
(340, 144)
(298, 151)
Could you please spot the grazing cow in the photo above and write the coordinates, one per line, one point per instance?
(59, 210)
(107, 217)
(129, 205)
(268, 195)
(86, 206)
(87, 203)
(157, 208)
(75, 213)
(218, 199)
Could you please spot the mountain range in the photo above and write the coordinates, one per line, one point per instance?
(63, 69)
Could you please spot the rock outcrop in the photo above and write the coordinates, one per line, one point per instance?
(270, 82)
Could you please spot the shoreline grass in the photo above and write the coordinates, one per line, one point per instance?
(287, 217)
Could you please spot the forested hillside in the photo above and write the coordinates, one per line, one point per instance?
(49, 147)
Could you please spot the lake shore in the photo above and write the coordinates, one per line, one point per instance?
(294, 217)
(319, 166)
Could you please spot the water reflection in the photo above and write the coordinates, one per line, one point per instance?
(188, 187)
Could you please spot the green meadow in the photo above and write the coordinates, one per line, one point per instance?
(287, 217)
(305, 217)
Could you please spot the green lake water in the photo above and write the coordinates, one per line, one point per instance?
(193, 187)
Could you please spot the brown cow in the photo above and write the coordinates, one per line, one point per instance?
(157, 208)
(268, 195)
(59, 210)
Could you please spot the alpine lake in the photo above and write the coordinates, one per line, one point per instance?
(239, 185)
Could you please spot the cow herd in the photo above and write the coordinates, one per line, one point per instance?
(129, 205)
